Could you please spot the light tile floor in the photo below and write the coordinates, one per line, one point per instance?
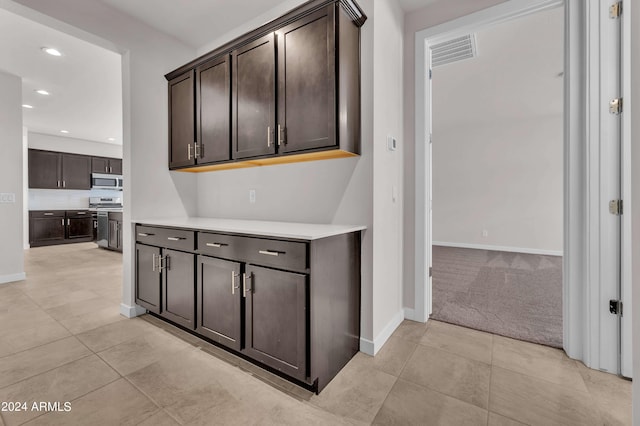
(62, 339)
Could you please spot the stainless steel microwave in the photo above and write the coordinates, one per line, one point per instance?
(102, 181)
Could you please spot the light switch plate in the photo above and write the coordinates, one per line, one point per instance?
(7, 197)
(252, 196)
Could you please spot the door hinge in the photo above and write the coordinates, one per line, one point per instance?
(430, 73)
(430, 137)
(615, 106)
(615, 207)
(615, 307)
(430, 271)
(615, 10)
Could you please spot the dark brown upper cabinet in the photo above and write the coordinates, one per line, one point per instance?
(294, 93)
(254, 98)
(56, 170)
(213, 111)
(306, 84)
(181, 121)
(106, 165)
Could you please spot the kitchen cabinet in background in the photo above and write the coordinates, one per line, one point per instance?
(106, 165)
(57, 170)
(115, 231)
(50, 227)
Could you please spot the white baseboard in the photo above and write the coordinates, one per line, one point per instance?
(500, 248)
(5, 279)
(131, 311)
(372, 348)
(409, 314)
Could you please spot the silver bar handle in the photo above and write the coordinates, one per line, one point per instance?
(176, 238)
(244, 283)
(268, 136)
(63, 222)
(153, 262)
(144, 234)
(48, 214)
(234, 287)
(81, 212)
(58, 184)
(64, 184)
(279, 134)
(216, 245)
(189, 151)
(163, 262)
(110, 169)
(269, 252)
(68, 222)
(196, 150)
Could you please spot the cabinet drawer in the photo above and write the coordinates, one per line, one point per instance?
(178, 239)
(36, 214)
(79, 213)
(219, 245)
(279, 254)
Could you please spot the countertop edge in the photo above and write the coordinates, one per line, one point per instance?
(255, 228)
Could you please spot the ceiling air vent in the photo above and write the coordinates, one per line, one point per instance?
(453, 50)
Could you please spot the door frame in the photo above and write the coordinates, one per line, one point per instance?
(582, 302)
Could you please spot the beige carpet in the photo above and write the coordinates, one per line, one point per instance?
(512, 294)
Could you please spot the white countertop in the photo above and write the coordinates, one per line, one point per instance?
(301, 231)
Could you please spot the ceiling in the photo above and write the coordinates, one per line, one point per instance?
(194, 22)
(413, 5)
(85, 83)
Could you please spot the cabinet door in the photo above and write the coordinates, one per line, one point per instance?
(181, 121)
(148, 277)
(219, 297)
(44, 169)
(276, 319)
(79, 227)
(213, 110)
(178, 285)
(119, 226)
(46, 230)
(76, 171)
(99, 165)
(113, 234)
(115, 166)
(253, 107)
(306, 83)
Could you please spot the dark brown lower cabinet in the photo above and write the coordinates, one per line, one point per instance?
(276, 319)
(290, 305)
(148, 277)
(115, 231)
(178, 287)
(79, 226)
(219, 294)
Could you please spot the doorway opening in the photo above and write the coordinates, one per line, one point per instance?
(591, 265)
(497, 173)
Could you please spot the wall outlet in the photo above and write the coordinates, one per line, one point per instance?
(252, 196)
(7, 197)
(485, 233)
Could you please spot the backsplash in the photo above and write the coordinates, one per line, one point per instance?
(57, 199)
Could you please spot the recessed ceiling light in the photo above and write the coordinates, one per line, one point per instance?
(42, 92)
(51, 51)
(64, 131)
(27, 106)
(111, 139)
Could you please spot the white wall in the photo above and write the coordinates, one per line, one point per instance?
(434, 14)
(11, 176)
(498, 139)
(387, 166)
(73, 145)
(25, 188)
(503, 177)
